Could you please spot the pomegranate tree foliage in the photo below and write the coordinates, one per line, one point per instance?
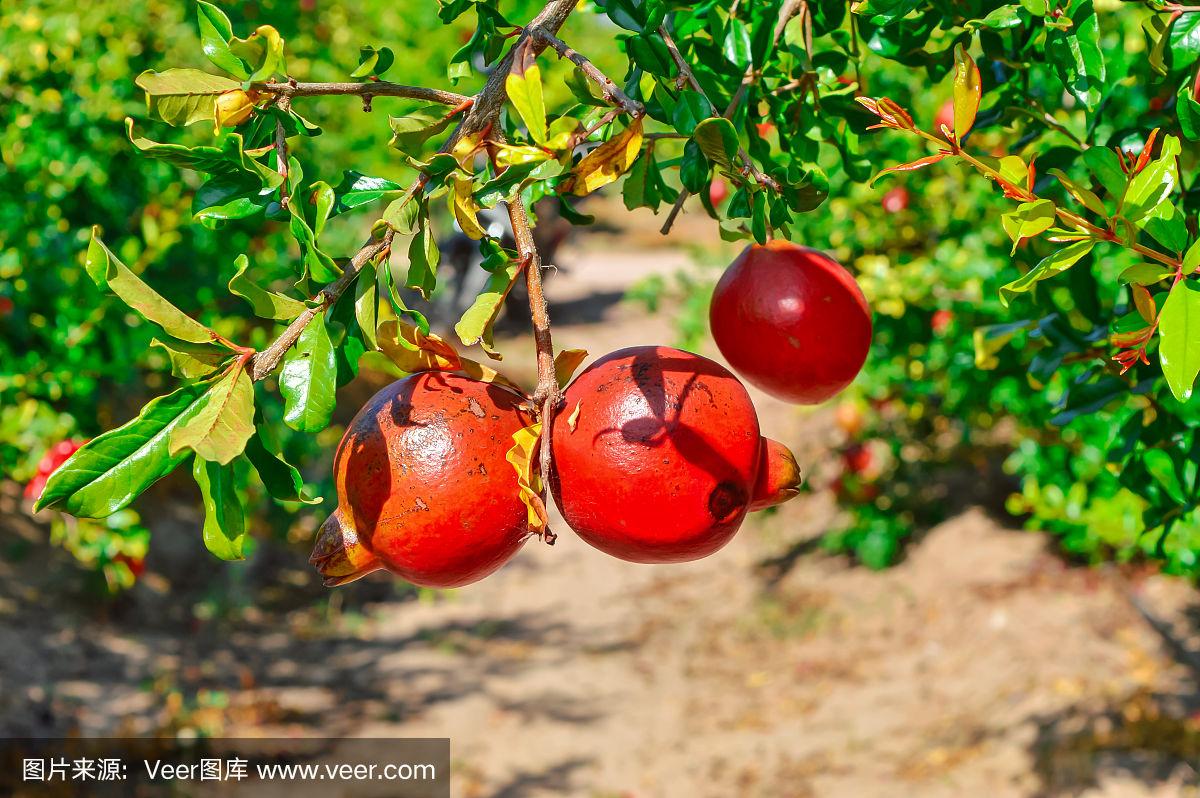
(1077, 125)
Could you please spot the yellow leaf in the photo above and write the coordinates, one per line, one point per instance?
(565, 364)
(523, 456)
(967, 91)
(607, 162)
(462, 202)
(412, 350)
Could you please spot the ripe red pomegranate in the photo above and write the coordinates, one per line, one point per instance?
(6, 306)
(849, 418)
(858, 459)
(895, 200)
(717, 192)
(656, 454)
(792, 321)
(424, 489)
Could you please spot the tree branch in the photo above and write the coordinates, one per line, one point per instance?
(266, 361)
(378, 88)
(494, 93)
(484, 109)
(612, 92)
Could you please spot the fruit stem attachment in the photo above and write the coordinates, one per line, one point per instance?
(546, 397)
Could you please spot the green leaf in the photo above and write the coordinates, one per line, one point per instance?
(1179, 338)
(357, 189)
(411, 131)
(1185, 40)
(183, 96)
(280, 477)
(266, 304)
(1146, 274)
(1029, 219)
(373, 62)
(718, 140)
(423, 256)
(109, 274)
(1188, 111)
(317, 199)
(215, 33)
(694, 169)
(1154, 183)
(1191, 258)
(309, 379)
(1084, 196)
(1165, 224)
(1076, 55)
(219, 430)
(1049, 266)
(262, 51)
(1106, 168)
(475, 326)
(225, 198)
(115, 468)
(191, 361)
(524, 84)
(224, 520)
(228, 159)
(690, 110)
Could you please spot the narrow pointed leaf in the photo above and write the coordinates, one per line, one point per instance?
(1049, 266)
(607, 162)
(114, 468)
(109, 274)
(475, 326)
(215, 33)
(524, 85)
(193, 361)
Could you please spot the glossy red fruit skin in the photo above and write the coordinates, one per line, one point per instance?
(792, 321)
(423, 484)
(658, 464)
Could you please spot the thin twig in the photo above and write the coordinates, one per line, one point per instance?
(376, 88)
(611, 91)
(789, 9)
(281, 152)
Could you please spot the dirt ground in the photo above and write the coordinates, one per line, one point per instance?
(982, 665)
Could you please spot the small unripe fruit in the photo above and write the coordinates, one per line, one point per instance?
(424, 488)
(656, 455)
(234, 107)
(792, 321)
(895, 200)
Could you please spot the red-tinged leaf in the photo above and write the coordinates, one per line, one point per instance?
(1129, 339)
(912, 165)
(967, 91)
(1032, 173)
(1144, 302)
(891, 114)
(524, 459)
